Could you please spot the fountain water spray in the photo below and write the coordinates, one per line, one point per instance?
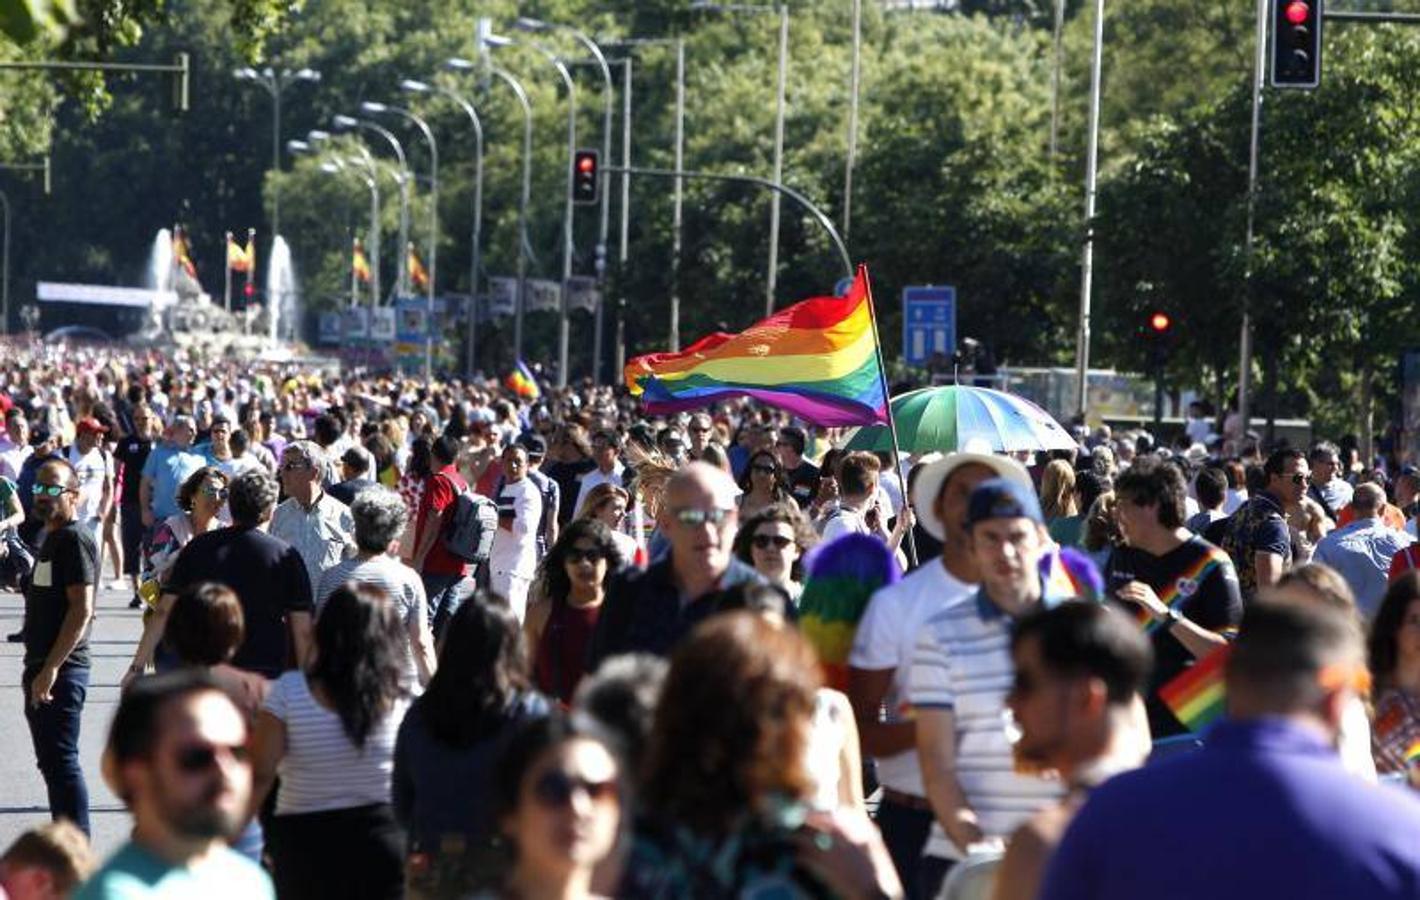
(282, 297)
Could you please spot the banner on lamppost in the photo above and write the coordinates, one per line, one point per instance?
(582, 293)
(543, 295)
(382, 324)
(502, 297)
(357, 324)
(328, 334)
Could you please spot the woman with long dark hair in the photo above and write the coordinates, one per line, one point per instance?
(572, 584)
(447, 746)
(764, 483)
(329, 732)
(559, 800)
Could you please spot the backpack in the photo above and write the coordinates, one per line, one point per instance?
(470, 526)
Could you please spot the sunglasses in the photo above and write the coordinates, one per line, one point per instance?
(52, 490)
(556, 789)
(593, 555)
(203, 757)
(216, 493)
(694, 516)
(700, 431)
(766, 468)
(777, 541)
(1299, 478)
(294, 466)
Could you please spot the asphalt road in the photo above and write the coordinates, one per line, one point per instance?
(23, 803)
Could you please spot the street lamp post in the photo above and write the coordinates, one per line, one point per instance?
(772, 279)
(476, 238)
(563, 336)
(1087, 253)
(608, 98)
(5, 268)
(276, 82)
(429, 286)
(366, 169)
(345, 123)
(516, 86)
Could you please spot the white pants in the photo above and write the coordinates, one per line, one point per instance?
(513, 588)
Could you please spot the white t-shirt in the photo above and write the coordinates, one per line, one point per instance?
(887, 639)
(92, 468)
(843, 521)
(322, 768)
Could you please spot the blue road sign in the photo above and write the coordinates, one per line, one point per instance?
(929, 323)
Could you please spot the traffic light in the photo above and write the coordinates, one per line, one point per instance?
(1296, 43)
(182, 73)
(586, 173)
(1159, 323)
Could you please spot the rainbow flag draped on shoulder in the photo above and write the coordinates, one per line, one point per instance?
(817, 359)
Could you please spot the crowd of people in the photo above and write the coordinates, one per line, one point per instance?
(429, 640)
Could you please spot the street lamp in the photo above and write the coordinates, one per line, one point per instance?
(476, 238)
(347, 123)
(276, 82)
(524, 248)
(372, 108)
(783, 10)
(537, 25)
(494, 40)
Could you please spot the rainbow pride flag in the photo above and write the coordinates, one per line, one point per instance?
(1195, 696)
(1412, 756)
(816, 359)
(842, 577)
(521, 382)
(1181, 588)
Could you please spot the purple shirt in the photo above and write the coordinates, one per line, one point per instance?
(1263, 810)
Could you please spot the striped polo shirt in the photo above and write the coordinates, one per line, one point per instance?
(963, 663)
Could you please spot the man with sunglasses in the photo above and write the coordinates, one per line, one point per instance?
(1257, 538)
(177, 757)
(650, 610)
(1266, 808)
(59, 604)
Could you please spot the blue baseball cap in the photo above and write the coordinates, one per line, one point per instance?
(1002, 498)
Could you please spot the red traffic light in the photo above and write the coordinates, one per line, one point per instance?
(1160, 322)
(248, 289)
(586, 164)
(1297, 12)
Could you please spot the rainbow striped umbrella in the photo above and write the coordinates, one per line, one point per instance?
(951, 417)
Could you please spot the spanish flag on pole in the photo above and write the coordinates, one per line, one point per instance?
(418, 275)
(181, 254)
(239, 259)
(360, 263)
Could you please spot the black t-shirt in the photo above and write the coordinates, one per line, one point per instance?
(133, 453)
(1198, 580)
(803, 483)
(269, 579)
(568, 476)
(67, 556)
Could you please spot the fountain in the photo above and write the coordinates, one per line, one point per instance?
(282, 297)
(160, 262)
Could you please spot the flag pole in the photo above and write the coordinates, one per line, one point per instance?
(354, 276)
(251, 264)
(227, 276)
(887, 396)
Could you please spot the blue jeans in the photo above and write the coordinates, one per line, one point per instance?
(905, 830)
(443, 594)
(54, 728)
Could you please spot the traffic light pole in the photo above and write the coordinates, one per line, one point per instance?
(1245, 339)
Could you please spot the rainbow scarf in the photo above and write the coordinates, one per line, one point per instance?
(1195, 696)
(817, 359)
(1176, 593)
(521, 382)
(842, 576)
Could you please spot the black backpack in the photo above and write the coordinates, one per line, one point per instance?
(470, 526)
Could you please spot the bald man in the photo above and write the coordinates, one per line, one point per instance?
(649, 611)
(1362, 550)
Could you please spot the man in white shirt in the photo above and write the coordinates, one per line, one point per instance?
(606, 453)
(95, 471)
(513, 561)
(15, 447)
(883, 647)
(316, 524)
(860, 511)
